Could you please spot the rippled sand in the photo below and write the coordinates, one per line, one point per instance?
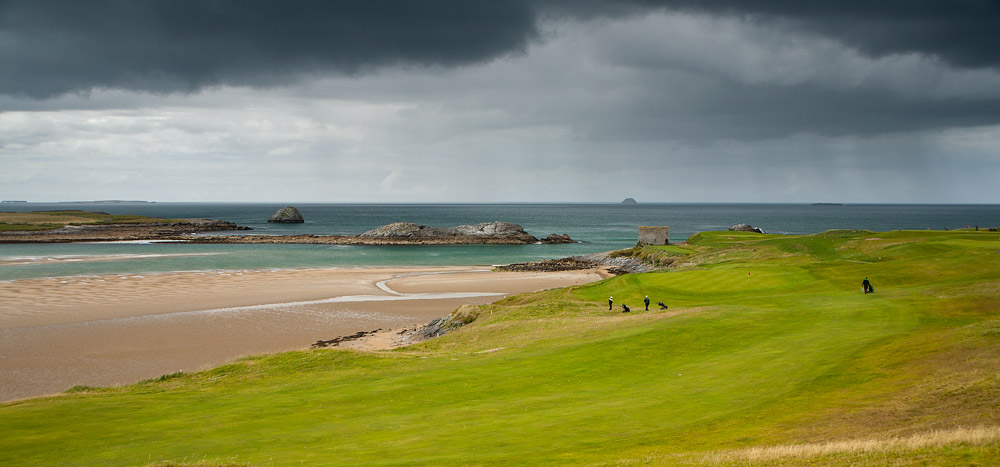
(106, 330)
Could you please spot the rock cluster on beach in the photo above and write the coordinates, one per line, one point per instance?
(396, 337)
(287, 215)
(549, 265)
(617, 265)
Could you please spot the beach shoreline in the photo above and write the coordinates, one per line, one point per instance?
(118, 329)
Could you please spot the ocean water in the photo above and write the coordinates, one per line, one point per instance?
(599, 227)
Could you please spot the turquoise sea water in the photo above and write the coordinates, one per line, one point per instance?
(599, 227)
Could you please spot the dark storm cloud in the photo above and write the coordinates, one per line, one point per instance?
(748, 113)
(964, 33)
(54, 47)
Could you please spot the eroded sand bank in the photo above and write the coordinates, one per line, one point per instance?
(118, 329)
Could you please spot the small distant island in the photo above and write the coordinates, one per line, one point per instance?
(828, 204)
(83, 226)
(629, 201)
(109, 201)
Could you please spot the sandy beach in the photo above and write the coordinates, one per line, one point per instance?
(118, 329)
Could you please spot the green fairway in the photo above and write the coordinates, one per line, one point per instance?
(768, 341)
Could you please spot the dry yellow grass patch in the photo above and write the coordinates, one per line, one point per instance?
(933, 439)
(947, 379)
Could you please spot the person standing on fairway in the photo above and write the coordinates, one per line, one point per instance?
(646, 301)
(611, 301)
(867, 286)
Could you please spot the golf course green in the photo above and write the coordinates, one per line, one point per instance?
(769, 354)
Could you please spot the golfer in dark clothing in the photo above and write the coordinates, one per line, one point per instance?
(646, 301)
(611, 301)
(867, 286)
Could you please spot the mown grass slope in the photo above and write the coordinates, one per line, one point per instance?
(768, 343)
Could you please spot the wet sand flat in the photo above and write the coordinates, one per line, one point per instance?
(107, 330)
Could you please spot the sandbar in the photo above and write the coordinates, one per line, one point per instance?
(118, 329)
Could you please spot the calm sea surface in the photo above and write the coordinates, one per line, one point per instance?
(600, 227)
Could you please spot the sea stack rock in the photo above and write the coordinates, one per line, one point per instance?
(745, 228)
(287, 215)
(629, 201)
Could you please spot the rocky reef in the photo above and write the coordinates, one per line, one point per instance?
(120, 232)
(406, 233)
(558, 238)
(399, 233)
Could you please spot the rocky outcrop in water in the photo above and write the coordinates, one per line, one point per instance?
(558, 238)
(400, 233)
(406, 233)
(287, 215)
(121, 232)
(485, 230)
(745, 228)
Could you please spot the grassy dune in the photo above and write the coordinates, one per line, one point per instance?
(47, 220)
(769, 353)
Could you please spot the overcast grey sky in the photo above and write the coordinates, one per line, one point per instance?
(490, 101)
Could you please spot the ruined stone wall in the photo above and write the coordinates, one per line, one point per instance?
(654, 235)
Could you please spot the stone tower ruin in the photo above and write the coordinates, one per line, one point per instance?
(654, 235)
